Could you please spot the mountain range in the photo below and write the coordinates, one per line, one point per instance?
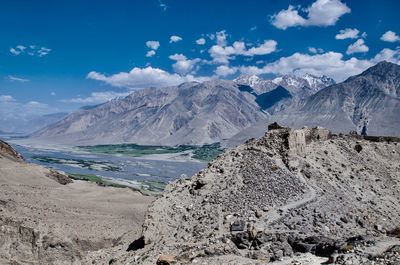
(368, 103)
(233, 111)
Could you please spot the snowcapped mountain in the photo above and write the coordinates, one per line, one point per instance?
(297, 87)
(301, 86)
(258, 84)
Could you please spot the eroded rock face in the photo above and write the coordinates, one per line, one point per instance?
(290, 191)
(61, 178)
(7, 151)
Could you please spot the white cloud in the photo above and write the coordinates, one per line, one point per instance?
(6, 98)
(267, 47)
(97, 97)
(36, 104)
(347, 34)
(320, 13)
(31, 50)
(151, 53)
(356, 47)
(17, 79)
(315, 50)
(390, 36)
(253, 28)
(53, 93)
(201, 41)
(153, 44)
(143, 77)
(326, 12)
(183, 65)
(221, 37)
(43, 51)
(222, 53)
(330, 63)
(224, 70)
(18, 49)
(389, 55)
(288, 18)
(177, 57)
(174, 38)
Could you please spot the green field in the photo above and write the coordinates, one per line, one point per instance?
(96, 179)
(150, 187)
(204, 153)
(87, 164)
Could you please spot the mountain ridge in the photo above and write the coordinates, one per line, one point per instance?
(219, 110)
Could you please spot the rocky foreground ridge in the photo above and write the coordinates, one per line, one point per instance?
(292, 191)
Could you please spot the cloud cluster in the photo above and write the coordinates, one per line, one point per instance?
(174, 38)
(222, 53)
(358, 46)
(224, 70)
(320, 13)
(153, 45)
(97, 97)
(330, 63)
(143, 78)
(390, 36)
(315, 50)
(183, 65)
(6, 98)
(347, 34)
(31, 50)
(201, 41)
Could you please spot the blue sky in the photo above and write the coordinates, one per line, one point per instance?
(60, 55)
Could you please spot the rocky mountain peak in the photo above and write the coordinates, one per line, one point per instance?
(386, 72)
(250, 80)
(381, 68)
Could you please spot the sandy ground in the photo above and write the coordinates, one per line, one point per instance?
(78, 211)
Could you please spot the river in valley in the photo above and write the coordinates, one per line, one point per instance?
(133, 170)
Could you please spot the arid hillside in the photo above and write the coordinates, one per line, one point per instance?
(45, 218)
(290, 192)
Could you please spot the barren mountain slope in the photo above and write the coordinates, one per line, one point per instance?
(45, 222)
(191, 113)
(290, 191)
(368, 103)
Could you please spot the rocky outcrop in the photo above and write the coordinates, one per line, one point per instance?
(9, 152)
(292, 191)
(61, 178)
